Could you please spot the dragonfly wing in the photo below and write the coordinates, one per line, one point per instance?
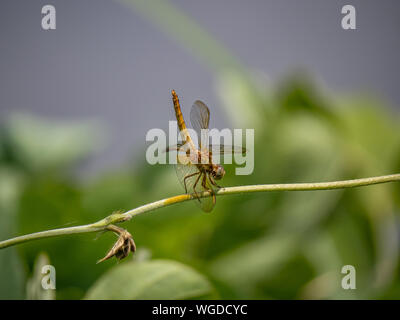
(180, 147)
(226, 149)
(200, 118)
(208, 203)
(187, 174)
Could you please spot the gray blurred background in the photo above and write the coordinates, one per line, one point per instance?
(109, 63)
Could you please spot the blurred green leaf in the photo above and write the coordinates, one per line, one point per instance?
(244, 267)
(157, 279)
(39, 143)
(11, 266)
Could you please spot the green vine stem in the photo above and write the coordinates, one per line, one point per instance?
(119, 217)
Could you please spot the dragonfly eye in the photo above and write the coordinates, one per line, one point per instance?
(218, 172)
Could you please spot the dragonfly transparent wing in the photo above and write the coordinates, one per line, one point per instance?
(180, 147)
(226, 149)
(208, 203)
(200, 118)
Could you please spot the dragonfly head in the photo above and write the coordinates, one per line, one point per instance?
(218, 172)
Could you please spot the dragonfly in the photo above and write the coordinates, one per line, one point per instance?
(195, 167)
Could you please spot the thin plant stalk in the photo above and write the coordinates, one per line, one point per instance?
(119, 217)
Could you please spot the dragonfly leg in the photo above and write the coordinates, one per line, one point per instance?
(213, 182)
(184, 180)
(194, 187)
(204, 184)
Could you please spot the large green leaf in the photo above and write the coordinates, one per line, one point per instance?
(157, 279)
